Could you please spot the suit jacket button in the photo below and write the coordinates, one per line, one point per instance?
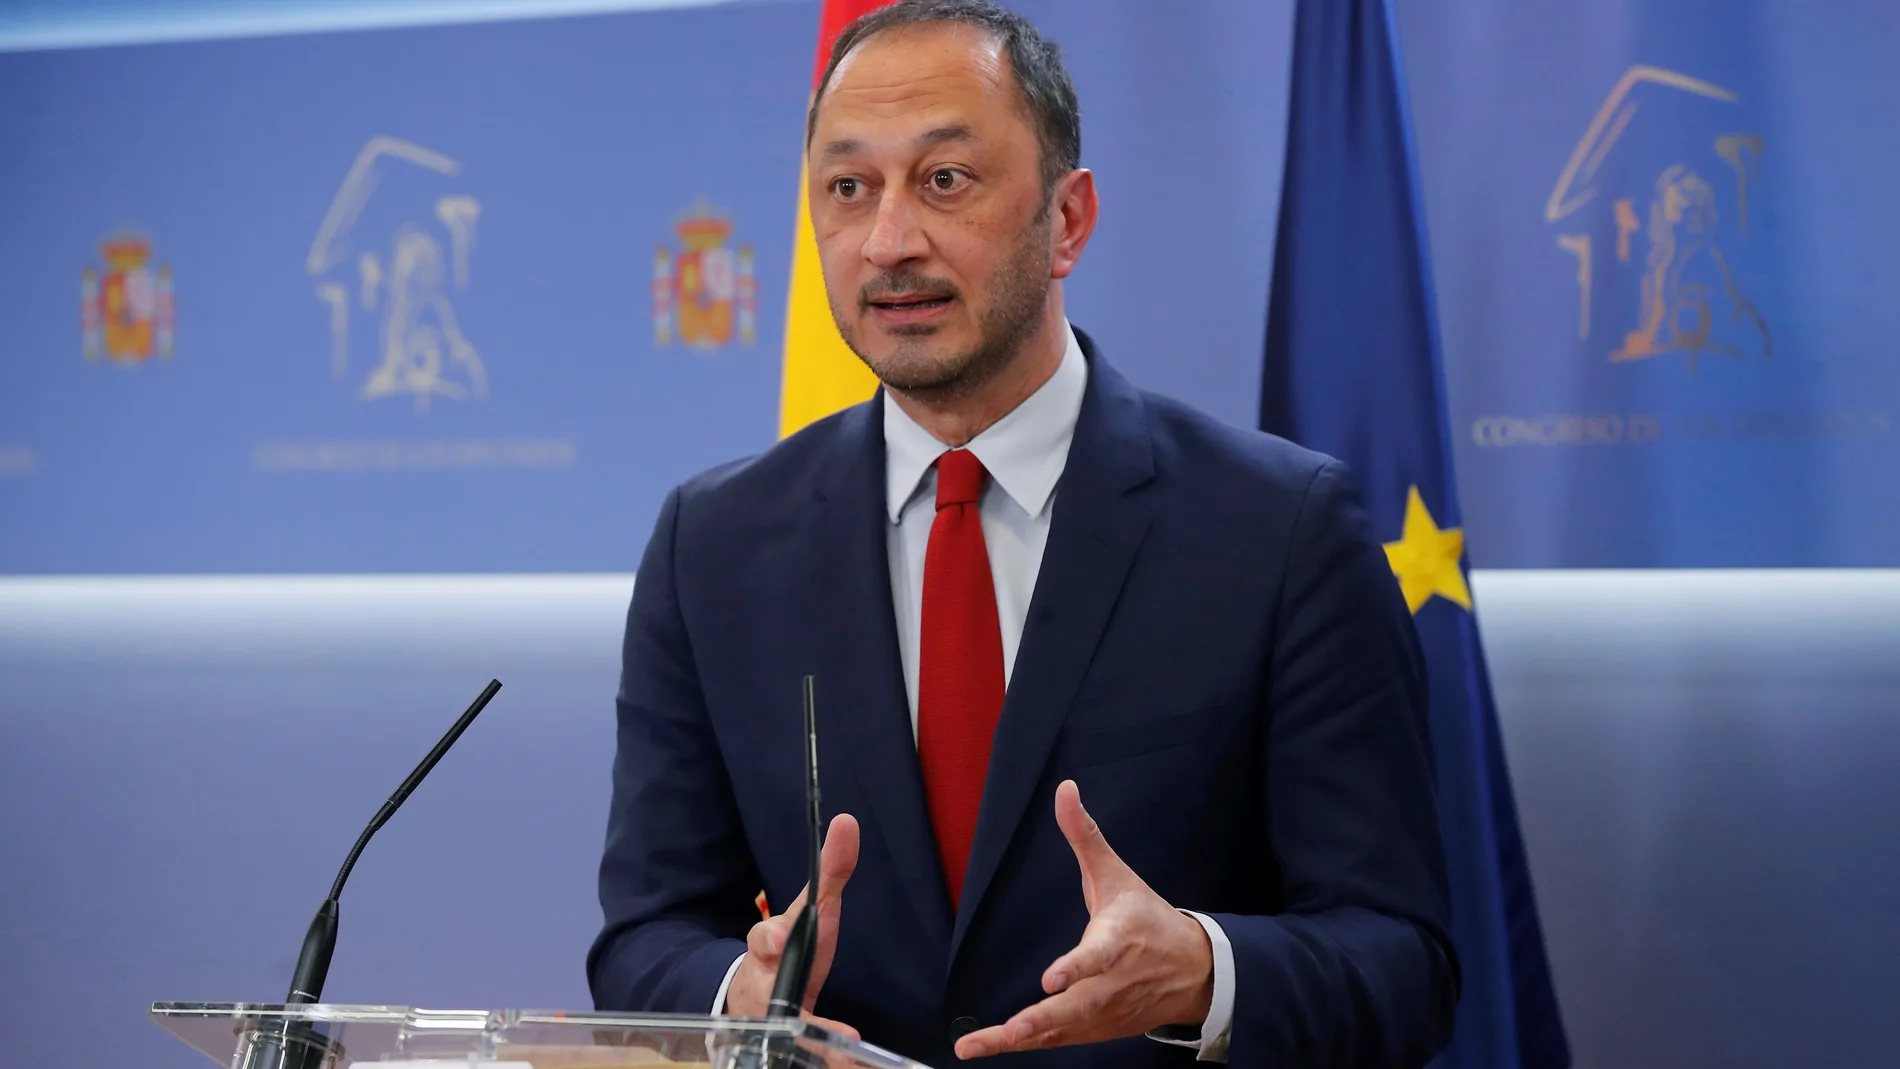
(961, 1027)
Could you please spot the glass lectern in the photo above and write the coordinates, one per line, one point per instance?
(245, 1035)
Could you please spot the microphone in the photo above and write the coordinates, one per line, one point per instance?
(295, 1045)
(801, 946)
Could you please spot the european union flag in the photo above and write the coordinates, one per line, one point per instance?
(1353, 370)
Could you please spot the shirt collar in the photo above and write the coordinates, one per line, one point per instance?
(1024, 452)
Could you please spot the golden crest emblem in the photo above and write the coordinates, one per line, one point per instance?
(1662, 250)
(126, 311)
(704, 293)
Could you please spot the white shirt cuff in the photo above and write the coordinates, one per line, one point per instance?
(1211, 1044)
(719, 1000)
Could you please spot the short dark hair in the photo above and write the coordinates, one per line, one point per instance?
(1034, 61)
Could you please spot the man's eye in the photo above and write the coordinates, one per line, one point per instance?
(846, 187)
(946, 180)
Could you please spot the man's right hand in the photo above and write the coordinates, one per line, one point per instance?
(751, 986)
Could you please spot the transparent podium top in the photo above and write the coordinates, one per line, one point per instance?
(249, 1035)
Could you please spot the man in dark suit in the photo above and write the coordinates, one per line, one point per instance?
(1021, 583)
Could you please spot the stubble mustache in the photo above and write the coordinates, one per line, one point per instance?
(905, 283)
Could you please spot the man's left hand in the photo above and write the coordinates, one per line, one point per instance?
(1141, 963)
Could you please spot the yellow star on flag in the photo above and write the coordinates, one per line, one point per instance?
(1425, 559)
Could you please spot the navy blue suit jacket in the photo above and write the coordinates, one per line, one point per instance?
(1215, 651)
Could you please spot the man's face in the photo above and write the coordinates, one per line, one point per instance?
(927, 199)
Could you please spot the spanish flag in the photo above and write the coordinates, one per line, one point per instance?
(822, 375)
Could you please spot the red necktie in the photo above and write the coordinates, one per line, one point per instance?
(960, 664)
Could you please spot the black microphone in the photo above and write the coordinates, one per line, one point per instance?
(288, 1045)
(770, 1051)
(801, 946)
(313, 964)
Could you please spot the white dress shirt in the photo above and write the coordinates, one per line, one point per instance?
(1024, 453)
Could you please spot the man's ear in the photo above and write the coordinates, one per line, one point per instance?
(1073, 209)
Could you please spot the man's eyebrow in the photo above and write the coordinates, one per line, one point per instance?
(851, 146)
(945, 134)
(847, 147)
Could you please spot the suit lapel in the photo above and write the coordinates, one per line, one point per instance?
(860, 679)
(1094, 533)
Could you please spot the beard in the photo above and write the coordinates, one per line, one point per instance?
(1014, 297)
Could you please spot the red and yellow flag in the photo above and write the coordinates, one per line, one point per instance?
(821, 375)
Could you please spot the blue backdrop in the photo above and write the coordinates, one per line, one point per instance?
(411, 275)
(1663, 233)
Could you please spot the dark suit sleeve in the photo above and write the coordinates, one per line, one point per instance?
(1357, 970)
(677, 882)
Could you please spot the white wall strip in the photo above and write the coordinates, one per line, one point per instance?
(40, 26)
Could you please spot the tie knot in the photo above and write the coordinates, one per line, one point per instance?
(959, 478)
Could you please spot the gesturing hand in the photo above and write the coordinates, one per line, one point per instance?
(1141, 964)
(751, 986)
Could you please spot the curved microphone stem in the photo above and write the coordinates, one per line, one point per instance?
(319, 942)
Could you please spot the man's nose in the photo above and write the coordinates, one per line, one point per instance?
(895, 236)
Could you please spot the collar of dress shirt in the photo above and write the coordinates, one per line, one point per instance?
(1024, 452)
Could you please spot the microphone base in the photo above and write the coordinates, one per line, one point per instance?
(768, 1054)
(286, 1045)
